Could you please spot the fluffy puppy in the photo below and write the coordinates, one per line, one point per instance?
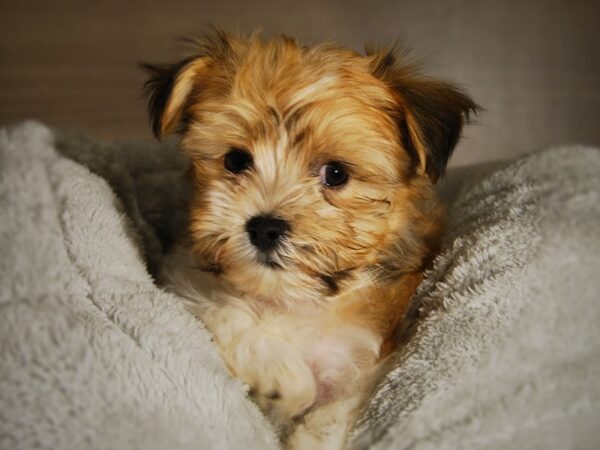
(314, 213)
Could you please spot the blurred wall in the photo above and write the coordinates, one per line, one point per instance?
(534, 65)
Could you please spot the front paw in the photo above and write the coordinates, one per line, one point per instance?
(279, 379)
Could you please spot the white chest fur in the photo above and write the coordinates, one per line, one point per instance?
(291, 359)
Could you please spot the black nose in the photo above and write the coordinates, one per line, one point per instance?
(266, 231)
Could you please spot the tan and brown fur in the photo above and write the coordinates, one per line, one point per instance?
(306, 331)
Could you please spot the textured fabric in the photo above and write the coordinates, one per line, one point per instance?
(502, 352)
(505, 351)
(93, 354)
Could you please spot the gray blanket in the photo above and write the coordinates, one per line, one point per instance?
(502, 347)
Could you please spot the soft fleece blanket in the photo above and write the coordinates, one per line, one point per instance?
(502, 346)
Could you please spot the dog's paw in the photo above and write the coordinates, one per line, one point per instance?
(279, 379)
(327, 426)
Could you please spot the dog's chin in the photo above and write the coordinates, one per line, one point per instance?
(269, 261)
(271, 265)
(270, 281)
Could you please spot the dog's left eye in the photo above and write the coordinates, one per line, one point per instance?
(237, 160)
(333, 174)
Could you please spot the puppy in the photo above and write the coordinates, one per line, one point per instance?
(313, 215)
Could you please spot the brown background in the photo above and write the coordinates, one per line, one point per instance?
(534, 65)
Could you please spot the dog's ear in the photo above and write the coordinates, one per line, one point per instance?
(431, 112)
(168, 90)
(171, 87)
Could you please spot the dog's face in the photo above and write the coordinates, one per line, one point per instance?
(313, 166)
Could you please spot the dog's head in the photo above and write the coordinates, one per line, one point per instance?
(313, 166)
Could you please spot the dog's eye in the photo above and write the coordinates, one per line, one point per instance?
(333, 174)
(237, 160)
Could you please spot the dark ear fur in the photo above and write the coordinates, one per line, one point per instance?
(432, 112)
(158, 89)
(170, 86)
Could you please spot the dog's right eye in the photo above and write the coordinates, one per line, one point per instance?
(237, 160)
(333, 174)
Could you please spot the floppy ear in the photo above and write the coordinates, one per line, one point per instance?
(432, 113)
(168, 90)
